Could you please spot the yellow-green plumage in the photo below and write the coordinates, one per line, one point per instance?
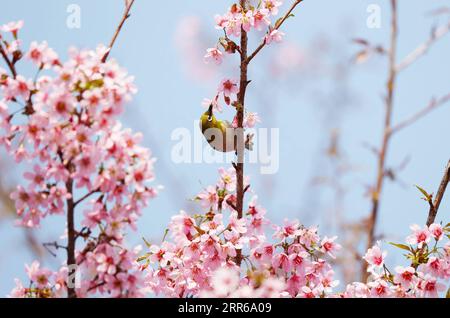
(215, 132)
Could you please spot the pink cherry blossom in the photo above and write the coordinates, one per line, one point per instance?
(225, 281)
(329, 246)
(375, 256)
(420, 236)
(215, 55)
(214, 102)
(260, 18)
(251, 119)
(12, 27)
(291, 229)
(38, 275)
(272, 6)
(247, 20)
(79, 151)
(379, 289)
(404, 276)
(228, 87)
(429, 286)
(208, 197)
(227, 179)
(236, 224)
(437, 231)
(274, 36)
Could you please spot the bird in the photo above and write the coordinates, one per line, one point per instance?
(212, 128)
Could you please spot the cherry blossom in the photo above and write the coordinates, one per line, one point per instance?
(80, 155)
(12, 27)
(228, 87)
(437, 231)
(274, 36)
(329, 246)
(214, 54)
(420, 235)
(405, 276)
(251, 119)
(272, 6)
(69, 130)
(200, 261)
(375, 256)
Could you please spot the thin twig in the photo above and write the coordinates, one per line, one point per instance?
(376, 191)
(11, 66)
(125, 16)
(434, 103)
(434, 207)
(86, 196)
(422, 49)
(276, 27)
(55, 245)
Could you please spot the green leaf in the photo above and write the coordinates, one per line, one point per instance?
(143, 257)
(402, 246)
(427, 196)
(146, 242)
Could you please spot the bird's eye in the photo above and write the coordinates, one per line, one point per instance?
(209, 119)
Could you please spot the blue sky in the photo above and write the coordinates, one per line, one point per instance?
(305, 107)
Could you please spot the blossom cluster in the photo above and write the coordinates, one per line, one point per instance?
(208, 250)
(64, 121)
(237, 19)
(426, 275)
(216, 254)
(233, 22)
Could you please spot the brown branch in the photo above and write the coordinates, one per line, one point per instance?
(434, 207)
(377, 190)
(11, 66)
(125, 16)
(86, 196)
(55, 245)
(71, 204)
(422, 49)
(96, 286)
(71, 238)
(240, 109)
(277, 26)
(434, 103)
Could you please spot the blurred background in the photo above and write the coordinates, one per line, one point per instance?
(328, 108)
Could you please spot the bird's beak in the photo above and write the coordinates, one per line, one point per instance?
(210, 112)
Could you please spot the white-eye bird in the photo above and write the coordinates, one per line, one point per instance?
(220, 135)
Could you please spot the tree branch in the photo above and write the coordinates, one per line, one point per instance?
(55, 245)
(422, 49)
(434, 207)
(240, 109)
(434, 103)
(126, 15)
(277, 26)
(378, 188)
(71, 238)
(11, 66)
(87, 195)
